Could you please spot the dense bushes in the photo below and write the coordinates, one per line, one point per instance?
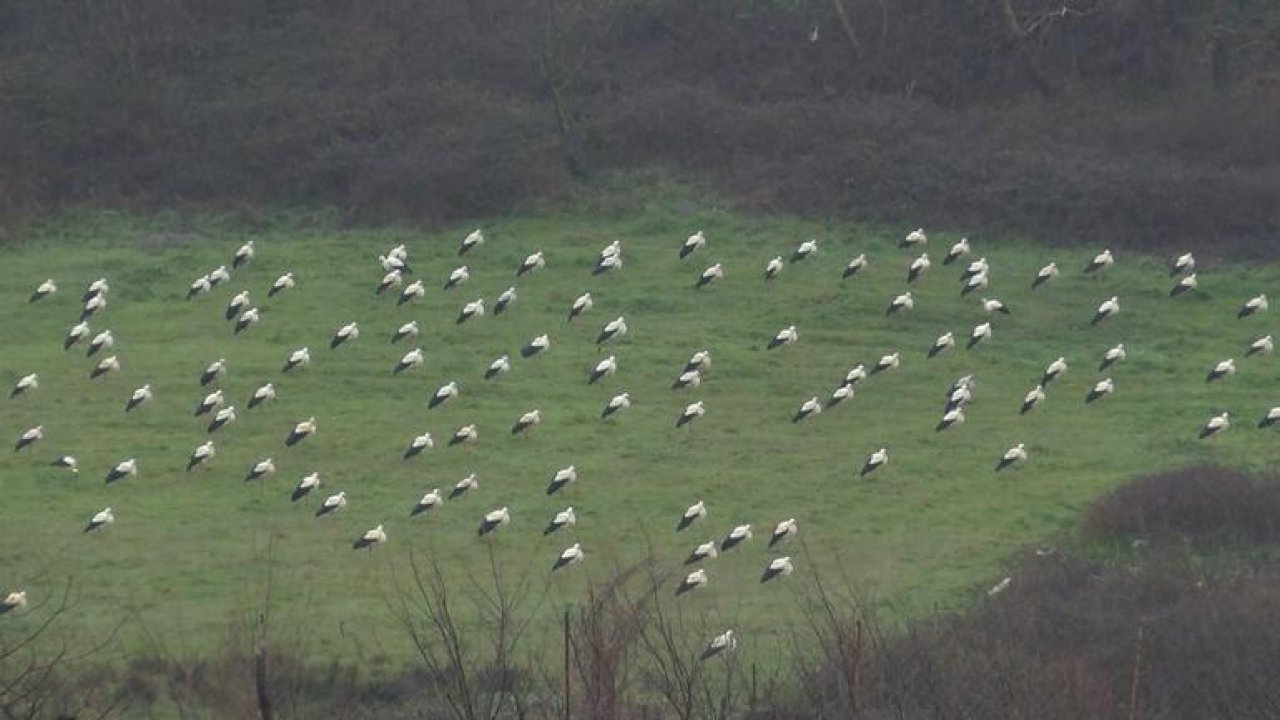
(1125, 122)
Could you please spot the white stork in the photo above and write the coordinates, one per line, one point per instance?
(505, 299)
(464, 486)
(93, 306)
(945, 341)
(980, 332)
(1185, 285)
(412, 291)
(212, 371)
(25, 384)
(812, 406)
(607, 263)
(305, 486)
(1034, 397)
(97, 287)
(580, 305)
(992, 305)
(390, 280)
(1109, 307)
(418, 444)
(854, 266)
(1215, 425)
(1253, 305)
(78, 332)
(472, 240)
(723, 643)
(535, 261)
(537, 345)
(874, 460)
(692, 581)
(223, 417)
(855, 375)
(67, 461)
(1055, 369)
(494, 519)
(43, 290)
(710, 275)
(202, 454)
(604, 368)
(954, 416)
(773, 268)
(218, 276)
(332, 504)
(456, 277)
(346, 333)
(974, 282)
(786, 336)
(1182, 263)
(473, 309)
(804, 250)
(891, 361)
(565, 517)
(1103, 387)
(301, 431)
(693, 242)
(840, 394)
(1044, 275)
(409, 329)
(706, 551)
(427, 502)
(247, 318)
(616, 404)
(464, 434)
(783, 530)
(563, 477)
(1223, 369)
(394, 262)
(1261, 345)
(261, 469)
(1271, 418)
(298, 358)
(123, 469)
(960, 249)
(612, 330)
(1112, 356)
(101, 518)
(239, 302)
(370, 538)
(527, 421)
(917, 267)
(693, 513)
(101, 341)
(498, 367)
(15, 600)
(409, 361)
(262, 394)
(736, 536)
(570, 556)
(212, 400)
(1015, 454)
(900, 303)
(443, 394)
(106, 365)
(199, 286)
(29, 437)
(778, 567)
(1100, 261)
(282, 283)
(243, 255)
(690, 413)
(688, 378)
(700, 360)
(915, 237)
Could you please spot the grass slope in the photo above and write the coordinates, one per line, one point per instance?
(190, 550)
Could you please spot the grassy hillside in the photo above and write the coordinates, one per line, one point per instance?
(188, 551)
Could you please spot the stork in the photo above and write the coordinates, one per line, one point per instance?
(563, 477)
(974, 282)
(456, 277)
(1261, 345)
(282, 283)
(122, 469)
(370, 538)
(507, 297)
(239, 302)
(887, 362)
(29, 437)
(247, 318)
(535, 261)
(527, 421)
(409, 361)
(473, 309)
(409, 329)
(67, 461)
(580, 305)
(428, 501)
(854, 266)
(25, 384)
(570, 556)
(218, 276)
(93, 306)
(498, 367)
(975, 268)
(346, 333)
(1223, 369)
(700, 360)
(1108, 308)
(212, 371)
(616, 404)
(693, 242)
(418, 444)
(223, 417)
(243, 255)
(298, 358)
(443, 394)
(688, 378)
(900, 303)
(773, 268)
(954, 416)
(724, 643)
(101, 518)
(101, 341)
(1055, 369)
(97, 287)
(1215, 425)
(78, 332)
(212, 400)
(604, 368)
(563, 518)
(199, 286)
(705, 551)
(301, 431)
(305, 486)
(1112, 356)
(957, 251)
(412, 291)
(1182, 263)
(464, 434)
(1044, 275)
(692, 581)
(396, 262)
(612, 330)
(332, 504)
(786, 336)
(693, 513)
(812, 406)
(106, 365)
(607, 263)
(1015, 454)
(43, 290)
(840, 394)
(1100, 261)
(392, 279)
(995, 305)
(874, 460)
(16, 600)
(783, 530)
(1034, 397)
(690, 413)
(613, 249)
(945, 341)
(979, 333)
(493, 520)
(856, 375)
(474, 239)
(1252, 306)
(1271, 418)
(202, 454)
(710, 275)
(915, 237)
(464, 486)
(917, 268)
(1000, 587)
(261, 469)
(778, 567)
(262, 394)
(804, 250)
(537, 345)
(1185, 285)
(1103, 387)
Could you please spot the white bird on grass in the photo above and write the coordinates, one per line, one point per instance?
(570, 556)
(123, 469)
(282, 283)
(298, 358)
(332, 504)
(25, 384)
(101, 518)
(778, 567)
(370, 538)
(43, 290)
(1215, 425)
(1015, 454)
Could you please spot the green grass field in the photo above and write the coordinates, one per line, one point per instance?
(189, 551)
